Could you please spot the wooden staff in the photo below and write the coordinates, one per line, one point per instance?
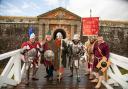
(60, 61)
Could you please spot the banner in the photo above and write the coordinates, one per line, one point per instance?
(90, 26)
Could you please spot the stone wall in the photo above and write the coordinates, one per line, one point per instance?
(12, 34)
(116, 35)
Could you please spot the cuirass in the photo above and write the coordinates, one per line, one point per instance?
(75, 49)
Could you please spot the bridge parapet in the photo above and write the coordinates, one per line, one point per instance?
(12, 72)
(116, 78)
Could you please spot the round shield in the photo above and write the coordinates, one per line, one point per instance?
(49, 54)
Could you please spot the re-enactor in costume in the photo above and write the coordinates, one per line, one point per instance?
(60, 55)
(48, 55)
(90, 56)
(30, 51)
(101, 50)
(77, 52)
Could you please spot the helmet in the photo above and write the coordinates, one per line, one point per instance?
(91, 37)
(59, 35)
(76, 37)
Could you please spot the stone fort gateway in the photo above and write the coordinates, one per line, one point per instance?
(14, 30)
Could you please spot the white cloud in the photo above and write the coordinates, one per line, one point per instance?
(56, 3)
(33, 5)
(25, 5)
(10, 9)
(52, 2)
(29, 5)
(105, 9)
(19, 10)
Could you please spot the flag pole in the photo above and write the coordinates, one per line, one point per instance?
(90, 12)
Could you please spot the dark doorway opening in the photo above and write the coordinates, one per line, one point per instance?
(61, 31)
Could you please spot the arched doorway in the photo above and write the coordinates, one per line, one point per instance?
(61, 31)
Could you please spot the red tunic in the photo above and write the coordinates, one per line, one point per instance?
(58, 42)
(30, 46)
(104, 50)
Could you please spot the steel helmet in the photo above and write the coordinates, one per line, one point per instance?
(76, 37)
(59, 35)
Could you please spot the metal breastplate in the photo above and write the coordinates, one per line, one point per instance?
(75, 50)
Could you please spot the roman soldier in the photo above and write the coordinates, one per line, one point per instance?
(60, 55)
(30, 51)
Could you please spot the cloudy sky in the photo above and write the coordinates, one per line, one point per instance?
(105, 9)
